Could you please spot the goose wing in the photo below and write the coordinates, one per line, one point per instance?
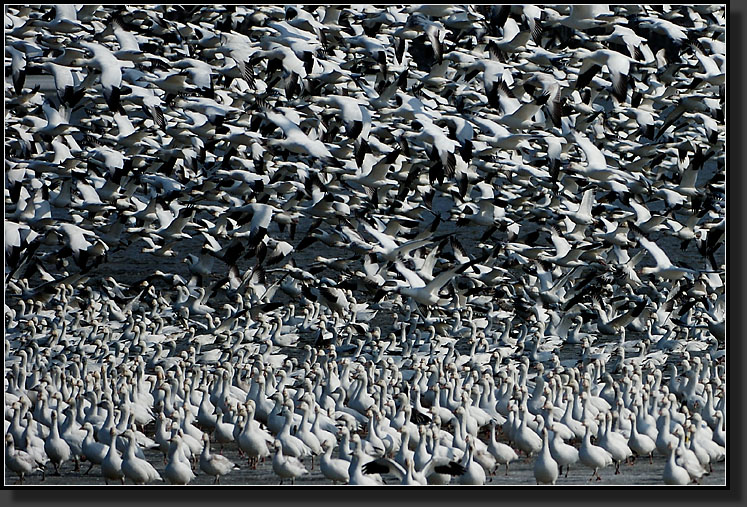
(594, 157)
(385, 466)
(442, 465)
(443, 278)
(662, 261)
(412, 278)
(623, 320)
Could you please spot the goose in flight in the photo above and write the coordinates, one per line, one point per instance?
(664, 267)
(617, 325)
(581, 216)
(564, 255)
(618, 66)
(110, 68)
(418, 290)
(596, 167)
(296, 140)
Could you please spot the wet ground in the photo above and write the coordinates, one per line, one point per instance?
(520, 473)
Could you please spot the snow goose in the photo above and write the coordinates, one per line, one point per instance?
(56, 448)
(640, 443)
(700, 453)
(17, 68)
(178, 469)
(418, 290)
(94, 452)
(474, 473)
(18, 461)
(617, 64)
(563, 454)
(110, 68)
(525, 437)
(355, 470)
(673, 473)
(502, 453)
(253, 440)
(111, 465)
(581, 17)
(596, 167)
(286, 467)
(306, 435)
(703, 434)
(545, 467)
(614, 443)
(664, 267)
(674, 34)
(593, 456)
(138, 470)
(65, 82)
(296, 141)
(334, 469)
(687, 458)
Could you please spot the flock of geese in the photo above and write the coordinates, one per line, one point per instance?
(402, 244)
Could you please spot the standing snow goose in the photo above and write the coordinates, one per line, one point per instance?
(334, 469)
(178, 469)
(545, 467)
(138, 470)
(93, 451)
(674, 474)
(253, 440)
(614, 443)
(593, 456)
(111, 466)
(56, 448)
(286, 467)
(474, 473)
(502, 453)
(18, 461)
(640, 443)
(526, 438)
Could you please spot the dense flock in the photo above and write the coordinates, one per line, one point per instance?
(394, 244)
